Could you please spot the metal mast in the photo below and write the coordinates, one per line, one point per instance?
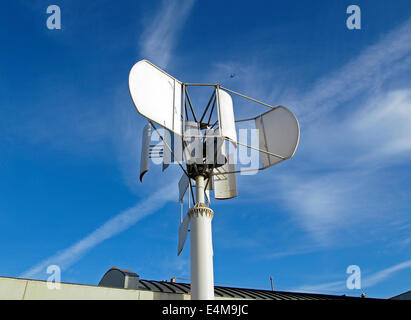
(202, 273)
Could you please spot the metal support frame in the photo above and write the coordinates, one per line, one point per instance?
(201, 249)
(202, 272)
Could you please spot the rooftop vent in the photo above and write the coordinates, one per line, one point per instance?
(120, 278)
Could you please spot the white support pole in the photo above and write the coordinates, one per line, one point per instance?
(202, 274)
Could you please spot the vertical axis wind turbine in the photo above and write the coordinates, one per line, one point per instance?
(199, 146)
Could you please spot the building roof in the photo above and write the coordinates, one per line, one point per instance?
(236, 293)
(402, 296)
(219, 291)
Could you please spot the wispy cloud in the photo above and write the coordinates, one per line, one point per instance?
(157, 43)
(328, 287)
(354, 122)
(375, 134)
(112, 227)
(333, 184)
(366, 282)
(385, 274)
(158, 39)
(351, 153)
(378, 62)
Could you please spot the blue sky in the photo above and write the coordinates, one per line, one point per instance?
(70, 141)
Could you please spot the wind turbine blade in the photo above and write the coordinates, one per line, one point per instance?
(156, 95)
(279, 133)
(227, 122)
(225, 185)
(145, 150)
(167, 154)
(207, 194)
(182, 186)
(182, 233)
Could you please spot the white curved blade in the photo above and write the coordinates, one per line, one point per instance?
(156, 95)
(227, 122)
(279, 133)
(207, 194)
(225, 185)
(145, 150)
(182, 233)
(168, 144)
(183, 186)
